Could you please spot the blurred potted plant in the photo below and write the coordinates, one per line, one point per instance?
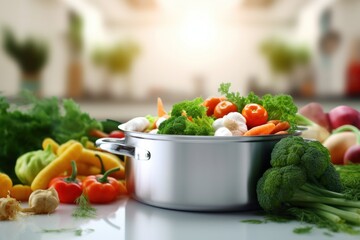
(117, 61)
(31, 55)
(285, 60)
(75, 87)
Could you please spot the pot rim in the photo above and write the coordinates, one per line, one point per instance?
(192, 138)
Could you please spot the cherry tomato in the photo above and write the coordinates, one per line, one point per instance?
(117, 134)
(254, 114)
(223, 108)
(210, 104)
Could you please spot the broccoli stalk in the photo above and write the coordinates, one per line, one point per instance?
(303, 183)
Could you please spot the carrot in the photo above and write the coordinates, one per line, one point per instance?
(160, 108)
(98, 133)
(276, 122)
(281, 132)
(264, 129)
(281, 126)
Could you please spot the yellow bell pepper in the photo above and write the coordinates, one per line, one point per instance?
(49, 141)
(58, 166)
(86, 169)
(109, 160)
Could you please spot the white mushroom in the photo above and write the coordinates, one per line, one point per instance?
(223, 131)
(218, 123)
(234, 122)
(154, 131)
(138, 124)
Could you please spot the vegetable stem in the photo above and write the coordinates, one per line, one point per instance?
(101, 163)
(321, 191)
(351, 128)
(349, 216)
(73, 175)
(104, 179)
(308, 197)
(328, 215)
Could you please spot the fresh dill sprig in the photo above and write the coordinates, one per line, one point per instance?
(76, 231)
(303, 230)
(253, 221)
(84, 209)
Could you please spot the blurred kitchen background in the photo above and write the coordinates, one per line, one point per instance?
(115, 57)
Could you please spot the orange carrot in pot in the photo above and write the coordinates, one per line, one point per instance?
(281, 126)
(264, 129)
(160, 108)
(281, 132)
(276, 122)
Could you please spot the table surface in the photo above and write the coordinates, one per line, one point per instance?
(131, 220)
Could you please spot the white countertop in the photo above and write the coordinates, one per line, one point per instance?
(131, 220)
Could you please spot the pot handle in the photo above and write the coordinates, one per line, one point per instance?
(118, 146)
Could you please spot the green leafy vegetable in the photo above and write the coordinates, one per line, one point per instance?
(31, 163)
(350, 178)
(25, 124)
(279, 107)
(304, 184)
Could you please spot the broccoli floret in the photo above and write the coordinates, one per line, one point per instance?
(331, 180)
(184, 126)
(188, 118)
(173, 125)
(308, 184)
(315, 169)
(193, 108)
(288, 152)
(277, 186)
(296, 151)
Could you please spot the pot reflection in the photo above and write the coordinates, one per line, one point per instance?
(147, 222)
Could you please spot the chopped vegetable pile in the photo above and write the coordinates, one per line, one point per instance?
(278, 107)
(228, 115)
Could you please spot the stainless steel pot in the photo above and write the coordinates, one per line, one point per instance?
(195, 173)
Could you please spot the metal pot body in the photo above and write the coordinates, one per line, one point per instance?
(195, 173)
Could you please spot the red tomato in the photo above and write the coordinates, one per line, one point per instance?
(223, 108)
(210, 104)
(117, 134)
(254, 114)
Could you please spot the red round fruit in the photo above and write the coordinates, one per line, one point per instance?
(254, 114)
(223, 108)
